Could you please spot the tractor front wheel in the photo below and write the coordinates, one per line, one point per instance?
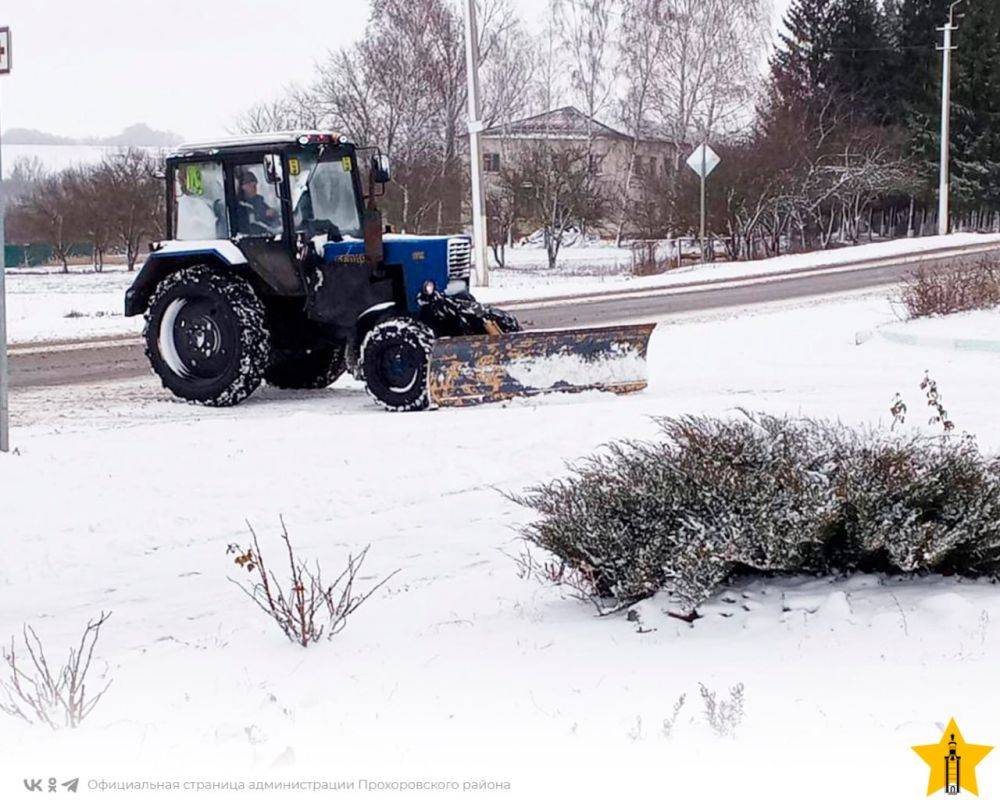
(395, 362)
(207, 337)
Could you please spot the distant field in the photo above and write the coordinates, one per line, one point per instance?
(55, 157)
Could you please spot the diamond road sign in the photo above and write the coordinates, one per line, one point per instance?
(703, 157)
(4, 51)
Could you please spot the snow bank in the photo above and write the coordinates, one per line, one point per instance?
(971, 330)
(512, 285)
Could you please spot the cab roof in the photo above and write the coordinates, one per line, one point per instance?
(251, 141)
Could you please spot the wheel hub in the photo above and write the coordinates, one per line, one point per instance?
(193, 339)
(400, 368)
(201, 335)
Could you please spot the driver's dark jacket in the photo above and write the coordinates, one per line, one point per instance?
(259, 208)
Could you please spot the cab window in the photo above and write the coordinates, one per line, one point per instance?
(258, 205)
(200, 202)
(323, 194)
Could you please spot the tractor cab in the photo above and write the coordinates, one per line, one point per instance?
(263, 187)
(265, 194)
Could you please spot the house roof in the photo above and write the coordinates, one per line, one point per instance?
(567, 122)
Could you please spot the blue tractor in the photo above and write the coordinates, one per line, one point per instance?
(277, 267)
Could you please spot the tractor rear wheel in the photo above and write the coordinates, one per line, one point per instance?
(395, 362)
(206, 336)
(312, 368)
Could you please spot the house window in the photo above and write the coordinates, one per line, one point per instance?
(491, 162)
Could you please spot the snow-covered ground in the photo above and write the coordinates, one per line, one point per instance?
(44, 304)
(124, 500)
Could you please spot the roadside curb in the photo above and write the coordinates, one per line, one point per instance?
(940, 342)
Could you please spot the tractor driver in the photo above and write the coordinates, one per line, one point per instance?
(253, 209)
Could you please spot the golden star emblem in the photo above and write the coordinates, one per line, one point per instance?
(961, 773)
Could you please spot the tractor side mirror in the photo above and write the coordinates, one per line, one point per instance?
(272, 168)
(380, 169)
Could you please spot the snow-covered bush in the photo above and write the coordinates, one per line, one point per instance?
(918, 504)
(717, 497)
(966, 288)
(686, 511)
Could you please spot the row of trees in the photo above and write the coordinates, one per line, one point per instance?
(845, 141)
(836, 141)
(113, 206)
(671, 69)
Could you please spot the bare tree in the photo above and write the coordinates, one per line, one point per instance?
(554, 189)
(501, 210)
(87, 203)
(710, 71)
(25, 174)
(133, 196)
(46, 215)
(586, 30)
(293, 109)
(642, 44)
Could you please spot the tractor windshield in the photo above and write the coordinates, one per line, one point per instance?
(323, 194)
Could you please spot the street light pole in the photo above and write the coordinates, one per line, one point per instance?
(475, 145)
(944, 187)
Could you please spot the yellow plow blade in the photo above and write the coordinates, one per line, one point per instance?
(466, 370)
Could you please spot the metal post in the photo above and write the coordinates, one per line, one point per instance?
(944, 211)
(4, 405)
(479, 244)
(704, 169)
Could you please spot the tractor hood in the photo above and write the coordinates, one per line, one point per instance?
(444, 260)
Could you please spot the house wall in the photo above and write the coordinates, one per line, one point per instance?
(655, 160)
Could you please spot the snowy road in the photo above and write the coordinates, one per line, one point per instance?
(115, 358)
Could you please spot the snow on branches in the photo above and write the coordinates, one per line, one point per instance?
(757, 493)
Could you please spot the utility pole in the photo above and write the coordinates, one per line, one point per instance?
(5, 59)
(479, 245)
(944, 187)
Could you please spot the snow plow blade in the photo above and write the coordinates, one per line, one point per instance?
(467, 370)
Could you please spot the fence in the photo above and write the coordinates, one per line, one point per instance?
(34, 255)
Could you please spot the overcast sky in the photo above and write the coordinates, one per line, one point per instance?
(93, 67)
